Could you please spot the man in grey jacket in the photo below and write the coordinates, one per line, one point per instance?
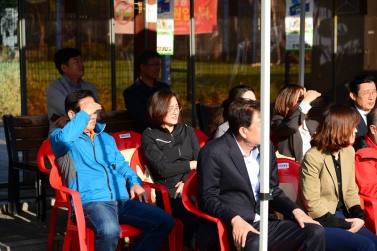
(70, 65)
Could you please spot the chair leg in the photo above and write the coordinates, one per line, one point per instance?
(175, 237)
(38, 182)
(67, 241)
(13, 190)
(120, 243)
(51, 232)
(43, 196)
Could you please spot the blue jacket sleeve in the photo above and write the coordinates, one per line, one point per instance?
(63, 138)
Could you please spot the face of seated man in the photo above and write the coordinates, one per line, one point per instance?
(365, 99)
(150, 71)
(74, 69)
(88, 105)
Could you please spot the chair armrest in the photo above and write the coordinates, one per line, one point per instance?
(190, 207)
(221, 227)
(79, 212)
(164, 193)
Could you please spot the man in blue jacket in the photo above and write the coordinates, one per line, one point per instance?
(92, 165)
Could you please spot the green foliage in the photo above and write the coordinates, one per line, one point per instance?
(212, 82)
(10, 94)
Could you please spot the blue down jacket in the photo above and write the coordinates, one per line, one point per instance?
(94, 168)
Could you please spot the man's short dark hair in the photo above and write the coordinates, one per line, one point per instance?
(62, 56)
(146, 55)
(72, 100)
(241, 112)
(372, 117)
(357, 81)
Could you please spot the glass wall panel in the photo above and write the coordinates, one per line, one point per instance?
(84, 25)
(10, 95)
(230, 55)
(124, 58)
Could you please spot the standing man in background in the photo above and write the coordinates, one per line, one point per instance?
(136, 96)
(70, 65)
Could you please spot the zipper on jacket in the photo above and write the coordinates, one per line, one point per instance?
(77, 182)
(173, 141)
(107, 175)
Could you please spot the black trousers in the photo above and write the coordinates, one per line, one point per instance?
(284, 235)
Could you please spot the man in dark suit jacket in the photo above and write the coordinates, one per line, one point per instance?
(228, 187)
(363, 94)
(136, 96)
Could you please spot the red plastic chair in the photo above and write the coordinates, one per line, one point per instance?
(289, 172)
(127, 139)
(202, 137)
(370, 215)
(175, 237)
(127, 142)
(45, 152)
(139, 159)
(79, 232)
(190, 192)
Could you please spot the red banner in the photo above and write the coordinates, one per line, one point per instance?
(205, 13)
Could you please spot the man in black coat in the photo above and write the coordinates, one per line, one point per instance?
(228, 188)
(363, 94)
(136, 96)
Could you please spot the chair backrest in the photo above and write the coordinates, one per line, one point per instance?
(45, 151)
(289, 172)
(190, 195)
(127, 142)
(24, 133)
(202, 137)
(117, 121)
(206, 116)
(139, 160)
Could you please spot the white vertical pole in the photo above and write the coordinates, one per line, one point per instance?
(145, 44)
(301, 72)
(265, 109)
(192, 63)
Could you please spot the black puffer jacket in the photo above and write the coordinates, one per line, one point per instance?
(169, 154)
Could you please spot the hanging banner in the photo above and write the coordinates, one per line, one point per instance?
(205, 13)
(292, 25)
(124, 16)
(165, 27)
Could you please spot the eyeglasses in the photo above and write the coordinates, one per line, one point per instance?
(368, 93)
(155, 65)
(173, 110)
